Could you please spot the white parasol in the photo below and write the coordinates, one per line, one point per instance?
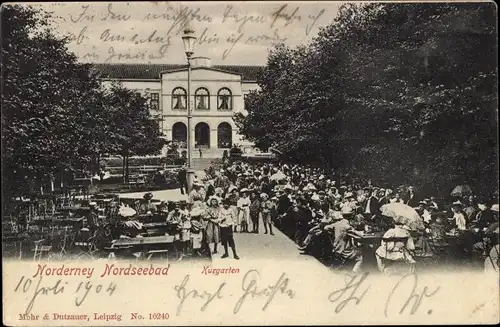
(278, 176)
(403, 214)
(126, 211)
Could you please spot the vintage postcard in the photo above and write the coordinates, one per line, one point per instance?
(250, 163)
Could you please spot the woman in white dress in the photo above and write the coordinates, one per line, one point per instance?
(397, 249)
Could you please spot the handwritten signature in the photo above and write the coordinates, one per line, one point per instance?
(415, 298)
(183, 293)
(249, 286)
(354, 291)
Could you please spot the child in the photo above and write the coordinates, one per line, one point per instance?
(185, 227)
(226, 222)
(266, 208)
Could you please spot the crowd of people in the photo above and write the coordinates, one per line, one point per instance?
(326, 215)
(321, 212)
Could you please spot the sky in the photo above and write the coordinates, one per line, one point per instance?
(232, 33)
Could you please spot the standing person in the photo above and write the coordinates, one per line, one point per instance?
(411, 197)
(185, 235)
(232, 196)
(266, 208)
(254, 212)
(201, 152)
(197, 195)
(226, 222)
(182, 180)
(243, 205)
(372, 205)
(221, 181)
(212, 230)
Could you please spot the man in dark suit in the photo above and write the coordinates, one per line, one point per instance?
(411, 198)
(383, 198)
(182, 179)
(372, 204)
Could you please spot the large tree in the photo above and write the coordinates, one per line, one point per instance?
(403, 93)
(134, 131)
(50, 101)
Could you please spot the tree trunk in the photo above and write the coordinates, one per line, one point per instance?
(123, 170)
(127, 170)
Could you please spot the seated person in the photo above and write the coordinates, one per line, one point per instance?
(395, 250)
(318, 228)
(484, 217)
(459, 217)
(343, 246)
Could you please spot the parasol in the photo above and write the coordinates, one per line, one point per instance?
(274, 150)
(461, 190)
(126, 211)
(278, 176)
(403, 214)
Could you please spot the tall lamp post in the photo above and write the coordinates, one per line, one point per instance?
(189, 40)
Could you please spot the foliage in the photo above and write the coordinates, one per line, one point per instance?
(56, 115)
(49, 101)
(405, 93)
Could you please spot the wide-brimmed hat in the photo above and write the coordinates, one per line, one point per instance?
(148, 196)
(264, 196)
(244, 190)
(348, 195)
(457, 204)
(315, 197)
(494, 207)
(198, 211)
(288, 187)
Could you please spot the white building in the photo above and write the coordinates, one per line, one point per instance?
(217, 93)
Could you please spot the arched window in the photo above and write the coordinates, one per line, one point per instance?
(179, 97)
(224, 136)
(202, 98)
(202, 135)
(179, 134)
(224, 99)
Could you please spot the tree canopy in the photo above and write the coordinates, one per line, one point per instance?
(402, 93)
(56, 114)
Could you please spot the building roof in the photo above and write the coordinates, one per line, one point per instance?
(152, 71)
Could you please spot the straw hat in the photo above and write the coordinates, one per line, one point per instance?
(494, 207)
(196, 212)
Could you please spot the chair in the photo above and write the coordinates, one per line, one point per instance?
(394, 266)
(160, 253)
(40, 249)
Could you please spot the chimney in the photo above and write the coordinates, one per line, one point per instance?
(197, 62)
